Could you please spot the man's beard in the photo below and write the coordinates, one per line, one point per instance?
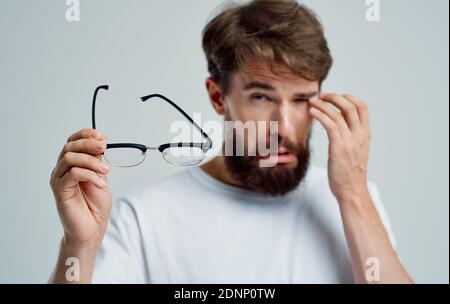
(272, 181)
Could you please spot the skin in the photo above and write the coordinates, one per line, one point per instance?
(83, 198)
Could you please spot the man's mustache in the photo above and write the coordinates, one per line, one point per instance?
(286, 144)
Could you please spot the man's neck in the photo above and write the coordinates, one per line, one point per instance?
(217, 169)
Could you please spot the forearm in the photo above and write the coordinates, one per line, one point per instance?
(367, 239)
(75, 264)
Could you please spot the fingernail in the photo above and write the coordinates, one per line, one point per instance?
(101, 182)
(104, 167)
(100, 144)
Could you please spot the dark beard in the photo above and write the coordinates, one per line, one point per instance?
(273, 181)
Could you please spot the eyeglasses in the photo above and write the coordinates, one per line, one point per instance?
(132, 154)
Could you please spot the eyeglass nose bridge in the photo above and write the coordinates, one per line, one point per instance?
(152, 148)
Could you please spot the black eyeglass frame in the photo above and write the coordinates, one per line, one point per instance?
(205, 147)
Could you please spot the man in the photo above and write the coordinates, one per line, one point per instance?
(232, 220)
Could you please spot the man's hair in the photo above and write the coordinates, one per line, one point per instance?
(274, 31)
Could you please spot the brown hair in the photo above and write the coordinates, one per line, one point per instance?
(275, 31)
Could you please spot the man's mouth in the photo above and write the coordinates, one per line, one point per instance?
(282, 157)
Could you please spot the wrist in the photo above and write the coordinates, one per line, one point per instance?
(354, 196)
(84, 247)
(358, 208)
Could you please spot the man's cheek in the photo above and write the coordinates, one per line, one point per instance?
(305, 129)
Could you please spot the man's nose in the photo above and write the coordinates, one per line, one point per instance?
(285, 118)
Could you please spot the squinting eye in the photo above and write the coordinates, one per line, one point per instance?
(301, 100)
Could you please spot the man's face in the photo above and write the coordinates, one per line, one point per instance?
(256, 94)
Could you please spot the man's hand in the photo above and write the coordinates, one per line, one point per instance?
(83, 199)
(346, 121)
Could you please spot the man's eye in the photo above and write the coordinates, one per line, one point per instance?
(260, 97)
(301, 100)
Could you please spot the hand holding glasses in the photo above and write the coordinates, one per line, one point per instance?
(132, 154)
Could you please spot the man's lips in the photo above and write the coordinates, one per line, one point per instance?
(282, 157)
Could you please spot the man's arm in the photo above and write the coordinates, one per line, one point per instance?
(83, 199)
(75, 264)
(349, 136)
(374, 260)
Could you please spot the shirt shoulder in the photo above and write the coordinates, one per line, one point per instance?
(316, 180)
(318, 188)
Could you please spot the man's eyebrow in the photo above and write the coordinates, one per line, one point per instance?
(268, 87)
(258, 85)
(307, 95)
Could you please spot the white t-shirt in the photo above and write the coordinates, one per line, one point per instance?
(192, 228)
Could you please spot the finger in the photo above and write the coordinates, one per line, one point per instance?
(337, 117)
(346, 106)
(85, 133)
(363, 110)
(80, 160)
(329, 125)
(76, 175)
(89, 146)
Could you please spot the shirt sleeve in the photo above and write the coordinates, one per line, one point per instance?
(120, 258)
(376, 198)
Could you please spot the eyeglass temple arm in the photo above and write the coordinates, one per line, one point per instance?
(94, 101)
(144, 99)
(204, 134)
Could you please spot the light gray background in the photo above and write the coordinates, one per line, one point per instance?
(49, 68)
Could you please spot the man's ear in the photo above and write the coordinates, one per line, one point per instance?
(215, 95)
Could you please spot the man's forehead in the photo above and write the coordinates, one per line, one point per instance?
(259, 71)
